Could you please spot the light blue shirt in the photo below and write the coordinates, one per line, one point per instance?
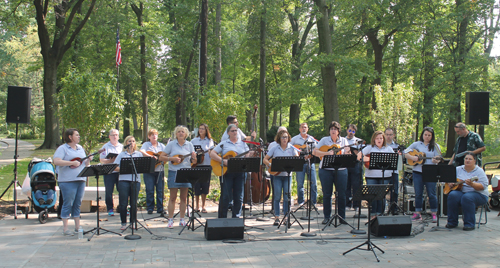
(148, 146)
(239, 147)
(110, 148)
(66, 173)
(341, 141)
(174, 148)
(125, 154)
(377, 173)
(421, 147)
(205, 144)
(462, 174)
(277, 151)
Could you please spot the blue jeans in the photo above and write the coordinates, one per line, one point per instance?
(418, 184)
(281, 184)
(152, 181)
(300, 176)
(124, 192)
(327, 178)
(233, 185)
(72, 192)
(49, 194)
(353, 184)
(378, 206)
(468, 201)
(395, 183)
(110, 182)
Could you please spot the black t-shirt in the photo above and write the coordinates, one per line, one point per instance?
(462, 147)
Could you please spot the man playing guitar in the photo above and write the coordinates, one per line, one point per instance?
(302, 142)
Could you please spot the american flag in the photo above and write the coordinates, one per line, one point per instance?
(118, 49)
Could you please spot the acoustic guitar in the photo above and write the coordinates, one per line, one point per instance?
(216, 168)
(335, 148)
(85, 158)
(274, 173)
(421, 157)
(182, 157)
(301, 149)
(158, 162)
(458, 185)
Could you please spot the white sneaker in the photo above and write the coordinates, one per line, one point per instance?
(170, 224)
(182, 223)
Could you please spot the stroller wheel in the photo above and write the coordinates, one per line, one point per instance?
(43, 216)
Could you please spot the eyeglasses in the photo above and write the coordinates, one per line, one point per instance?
(351, 131)
(234, 130)
(284, 137)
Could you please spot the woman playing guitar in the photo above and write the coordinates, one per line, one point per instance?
(282, 181)
(473, 194)
(71, 186)
(374, 176)
(232, 183)
(427, 144)
(177, 147)
(204, 139)
(153, 148)
(328, 146)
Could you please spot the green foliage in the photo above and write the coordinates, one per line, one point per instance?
(396, 109)
(214, 107)
(90, 104)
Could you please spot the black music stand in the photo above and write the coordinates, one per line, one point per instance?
(370, 193)
(288, 164)
(95, 171)
(243, 164)
(193, 176)
(135, 166)
(439, 173)
(383, 161)
(336, 162)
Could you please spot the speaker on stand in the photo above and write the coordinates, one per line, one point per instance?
(477, 108)
(18, 111)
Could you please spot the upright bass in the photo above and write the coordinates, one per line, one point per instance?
(259, 187)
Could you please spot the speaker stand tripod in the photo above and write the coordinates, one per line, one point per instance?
(14, 181)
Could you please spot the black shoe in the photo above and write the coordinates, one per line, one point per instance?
(49, 201)
(395, 212)
(276, 222)
(325, 221)
(342, 221)
(41, 201)
(449, 226)
(150, 212)
(469, 228)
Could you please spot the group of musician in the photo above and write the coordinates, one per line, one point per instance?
(340, 183)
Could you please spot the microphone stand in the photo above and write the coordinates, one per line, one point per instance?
(359, 215)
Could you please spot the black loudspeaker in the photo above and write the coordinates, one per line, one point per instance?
(391, 226)
(477, 108)
(18, 105)
(218, 229)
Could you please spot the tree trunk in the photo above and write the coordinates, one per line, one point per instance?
(218, 46)
(329, 79)
(203, 45)
(144, 83)
(53, 53)
(262, 75)
(52, 137)
(428, 79)
(294, 122)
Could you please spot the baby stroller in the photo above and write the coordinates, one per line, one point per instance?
(43, 187)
